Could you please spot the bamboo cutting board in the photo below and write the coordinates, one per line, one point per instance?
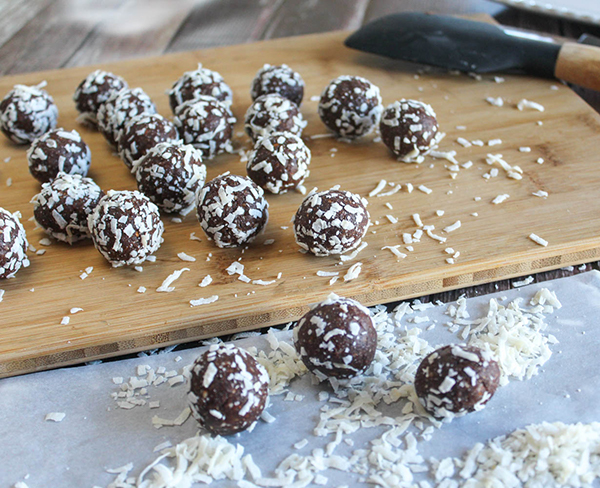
(492, 240)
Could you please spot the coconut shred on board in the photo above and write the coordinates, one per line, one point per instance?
(392, 457)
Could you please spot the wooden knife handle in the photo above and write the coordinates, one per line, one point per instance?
(579, 64)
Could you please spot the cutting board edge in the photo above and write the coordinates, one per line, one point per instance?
(26, 364)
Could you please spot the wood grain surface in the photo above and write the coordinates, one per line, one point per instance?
(494, 244)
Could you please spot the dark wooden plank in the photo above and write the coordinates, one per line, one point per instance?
(14, 14)
(48, 40)
(138, 28)
(296, 18)
(379, 8)
(222, 23)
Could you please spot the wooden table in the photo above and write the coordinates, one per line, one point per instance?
(48, 34)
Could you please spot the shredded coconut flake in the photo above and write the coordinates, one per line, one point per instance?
(186, 257)
(538, 240)
(55, 416)
(204, 301)
(169, 280)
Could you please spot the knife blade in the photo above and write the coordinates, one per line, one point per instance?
(478, 47)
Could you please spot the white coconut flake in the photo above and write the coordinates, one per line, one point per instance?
(186, 257)
(75, 310)
(263, 282)
(425, 189)
(353, 272)
(169, 280)
(65, 320)
(204, 301)
(496, 102)
(55, 416)
(158, 422)
(538, 240)
(523, 104)
(207, 280)
(353, 254)
(463, 142)
(453, 227)
(327, 273)
(378, 189)
(524, 149)
(500, 198)
(417, 219)
(1, 294)
(395, 251)
(524, 282)
(540, 193)
(141, 289)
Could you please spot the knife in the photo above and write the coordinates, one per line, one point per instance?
(476, 47)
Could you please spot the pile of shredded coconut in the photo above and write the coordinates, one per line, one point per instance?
(540, 455)
(383, 399)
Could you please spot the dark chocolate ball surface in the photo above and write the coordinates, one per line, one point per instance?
(141, 133)
(337, 338)
(125, 227)
(409, 129)
(201, 81)
(171, 175)
(207, 124)
(56, 151)
(93, 91)
(279, 162)
(26, 113)
(13, 245)
(273, 113)
(350, 106)
(331, 222)
(119, 108)
(228, 389)
(281, 80)
(456, 379)
(63, 205)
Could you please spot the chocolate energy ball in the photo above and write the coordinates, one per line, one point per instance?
(58, 151)
(331, 222)
(202, 81)
(141, 133)
(63, 206)
(350, 106)
(13, 245)
(337, 338)
(409, 128)
(279, 162)
(171, 175)
(26, 113)
(93, 91)
(456, 379)
(207, 124)
(281, 80)
(119, 108)
(125, 227)
(232, 210)
(273, 113)
(228, 389)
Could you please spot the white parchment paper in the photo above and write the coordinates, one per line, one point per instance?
(95, 434)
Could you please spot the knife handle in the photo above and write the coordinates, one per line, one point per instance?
(579, 64)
